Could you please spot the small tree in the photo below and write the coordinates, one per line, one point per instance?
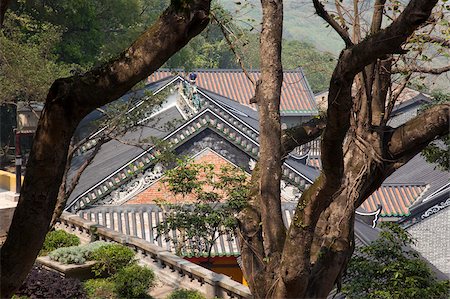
(208, 202)
(388, 268)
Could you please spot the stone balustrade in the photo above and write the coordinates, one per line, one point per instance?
(169, 268)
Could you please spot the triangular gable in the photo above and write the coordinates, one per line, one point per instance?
(158, 190)
(215, 115)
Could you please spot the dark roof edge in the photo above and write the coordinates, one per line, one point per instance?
(432, 205)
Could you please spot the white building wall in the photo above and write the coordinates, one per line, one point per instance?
(433, 239)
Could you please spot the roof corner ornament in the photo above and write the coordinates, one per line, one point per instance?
(135, 186)
(189, 100)
(251, 164)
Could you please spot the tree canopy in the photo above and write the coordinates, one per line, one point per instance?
(389, 268)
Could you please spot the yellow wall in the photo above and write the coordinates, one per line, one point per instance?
(8, 181)
(224, 265)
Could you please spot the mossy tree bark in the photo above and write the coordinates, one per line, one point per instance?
(68, 101)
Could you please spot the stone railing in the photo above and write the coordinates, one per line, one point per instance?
(168, 267)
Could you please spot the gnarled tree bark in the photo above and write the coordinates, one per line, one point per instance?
(358, 152)
(68, 101)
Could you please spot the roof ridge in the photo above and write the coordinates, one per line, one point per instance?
(420, 184)
(240, 70)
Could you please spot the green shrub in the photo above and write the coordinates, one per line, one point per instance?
(186, 294)
(134, 281)
(90, 248)
(68, 255)
(76, 254)
(100, 288)
(58, 239)
(111, 258)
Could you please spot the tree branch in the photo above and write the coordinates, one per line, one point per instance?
(301, 134)
(343, 33)
(232, 48)
(410, 138)
(267, 95)
(65, 191)
(421, 69)
(436, 39)
(295, 262)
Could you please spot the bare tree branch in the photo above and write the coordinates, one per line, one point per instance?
(421, 69)
(65, 191)
(301, 134)
(436, 39)
(295, 262)
(343, 33)
(409, 139)
(233, 48)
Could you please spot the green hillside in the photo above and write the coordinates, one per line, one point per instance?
(300, 22)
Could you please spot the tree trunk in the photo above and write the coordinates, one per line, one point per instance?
(263, 258)
(68, 101)
(358, 153)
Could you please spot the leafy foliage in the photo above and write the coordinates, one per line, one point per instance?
(100, 288)
(111, 258)
(28, 65)
(390, 269)
(92, 31)
(185, 294)
(215, 196)
(76, 254)
(57, 239)
(134, 281)
(42, 283)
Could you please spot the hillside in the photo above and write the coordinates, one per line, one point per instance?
(300, 22)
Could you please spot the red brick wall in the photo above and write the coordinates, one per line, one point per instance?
(159, 191)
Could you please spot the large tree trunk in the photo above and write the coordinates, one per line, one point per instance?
(266, 205)
(358, 153)
(68, 101)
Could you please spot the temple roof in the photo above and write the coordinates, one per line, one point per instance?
(296, 94)
(117, 163)
(141, 221)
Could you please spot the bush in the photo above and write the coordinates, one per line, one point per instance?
(111, 258)
(57, 239)
(42, 283)
(186, 294)
(76, 254)
(68, 255)
(134, 281)
(389, 268)
(100, 288)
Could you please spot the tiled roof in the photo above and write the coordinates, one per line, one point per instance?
(141, 221)
(296, 95)
(407, 97)
(394, 199)
(104, 175)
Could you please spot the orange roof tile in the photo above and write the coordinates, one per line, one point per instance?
(394, 199)
(296, 95)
